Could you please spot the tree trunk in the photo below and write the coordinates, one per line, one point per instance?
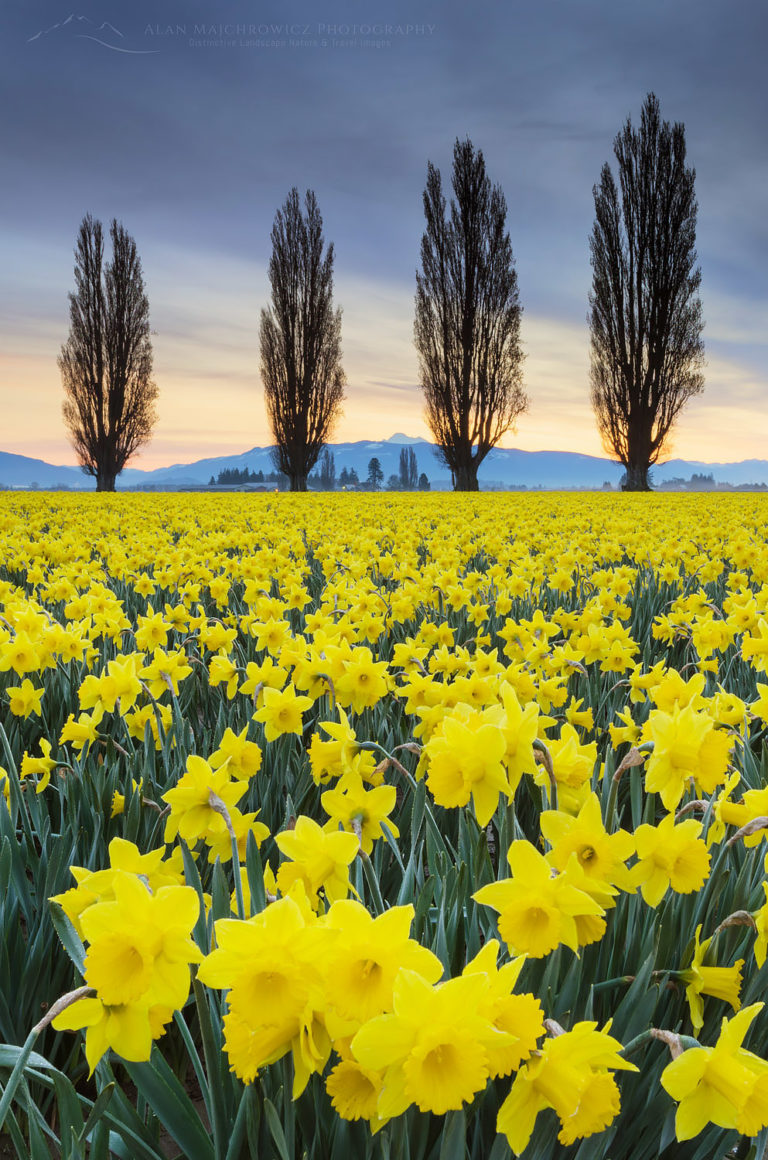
(105, 482)
(298, 483)
(466, 478)
(637, 478)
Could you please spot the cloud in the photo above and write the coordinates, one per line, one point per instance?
(195, 151)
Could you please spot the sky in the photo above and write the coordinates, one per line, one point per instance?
(190, 120)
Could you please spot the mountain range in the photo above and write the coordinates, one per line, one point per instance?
(503, 467)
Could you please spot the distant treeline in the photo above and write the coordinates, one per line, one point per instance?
(701, 482)
(235, 475)
(325, 479)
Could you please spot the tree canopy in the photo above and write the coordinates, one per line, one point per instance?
(645, 313)
(106, 362)
(467, 324)
(300, 340)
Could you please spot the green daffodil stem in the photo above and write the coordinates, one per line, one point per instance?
(15, 788)
(636, 756)
(620, 980)
(544, 757)
(7, 747)
(639, 1040)
(218, 805)
(722, 855)
(104, 739)
(17, 1074)
(331, 690)
(244, 1108)
(676, 1043)
(212, 1055)
(392, 759)
(368, 870)
(430, 817)
(373, 882)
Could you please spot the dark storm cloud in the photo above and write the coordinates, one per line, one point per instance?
(130, 113)
(204, 142)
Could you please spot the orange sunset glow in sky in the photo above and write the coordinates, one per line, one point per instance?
(211, 398)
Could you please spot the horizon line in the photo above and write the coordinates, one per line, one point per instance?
(411, 441)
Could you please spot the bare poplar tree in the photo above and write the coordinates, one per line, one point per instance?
(328, 471)
(106, 362)
(300, 339)
(409, 469)
(467, 326)
(645, 313)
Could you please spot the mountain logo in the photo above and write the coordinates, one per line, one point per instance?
(83, 28)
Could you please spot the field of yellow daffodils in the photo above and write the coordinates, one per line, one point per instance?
(373, 826)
